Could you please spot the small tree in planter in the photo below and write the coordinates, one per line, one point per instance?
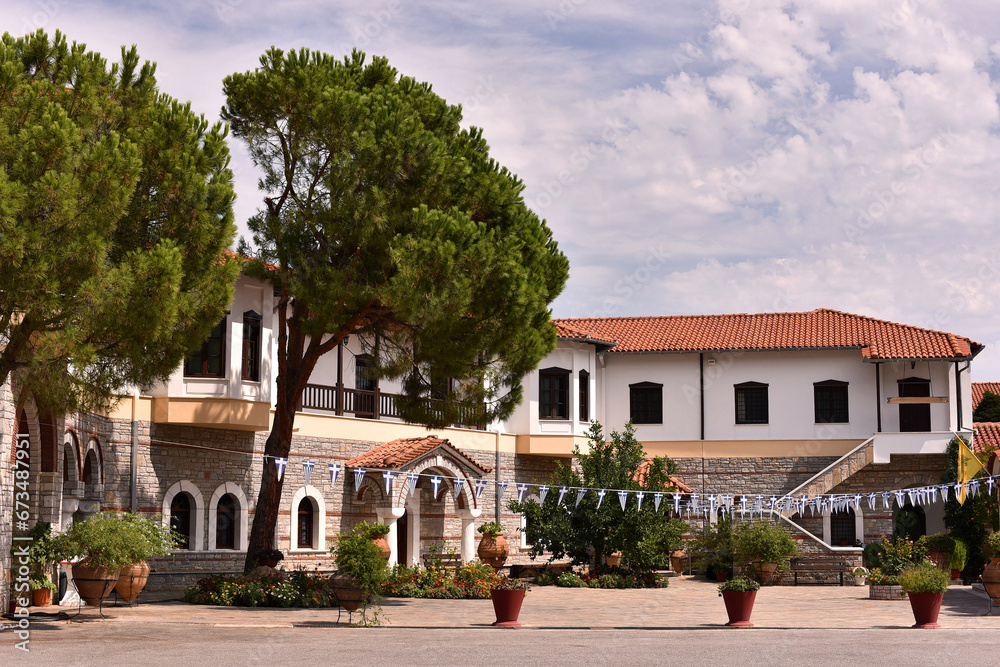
(712, 548)
(739, 594)
(764, 545)
(925, 585)
(507, 596)
(493, 548)
(957, 558)
(43, 553)
(362, 569)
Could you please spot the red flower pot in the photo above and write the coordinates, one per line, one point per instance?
(926, 607)
(506, 606)
(739, 606)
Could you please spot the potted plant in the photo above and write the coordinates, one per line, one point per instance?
(493, 547)
(939, 549)
(678, 559)
(269, 557)
(361, 569)
(890, 557)
(925, 585)
(764, 545)
(712, 549)
(41, 590)
(613, 559)
(148, 537)
(43, 553)
(739, 594)
(507, 596)
(859, 573)
(956, 561)
(991, 574)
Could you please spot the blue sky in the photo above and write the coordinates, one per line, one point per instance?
(690, 157)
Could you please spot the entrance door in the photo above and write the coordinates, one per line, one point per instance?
(402, 539)
(914, 417)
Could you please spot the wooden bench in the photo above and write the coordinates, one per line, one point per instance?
(447, 561)
(820, 563)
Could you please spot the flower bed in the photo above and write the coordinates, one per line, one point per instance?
(297, 589)
(472, 581)
(605, 577)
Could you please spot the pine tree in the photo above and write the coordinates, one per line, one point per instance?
(385, 221)
(988, 409)
(115, 212)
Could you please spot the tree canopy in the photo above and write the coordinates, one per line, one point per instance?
(115, 213)
(385, 220)
(988, 409)
(973, 520)
(588, 532)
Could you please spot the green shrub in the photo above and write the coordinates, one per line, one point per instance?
(358, 557)
(902, 553)
(957, 558)
(763, 541)
(570, 580)
(924, 577)
(878, 577)
(546, 578)
(739, 585)
(940, 542)
(872, 554)
(993, 545)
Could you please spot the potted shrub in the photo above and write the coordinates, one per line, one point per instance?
(149, 537)
(939, 549)
(507, 596)
(892, 557)
(41, 590)
(712, 549)
(739, 594)
(269, 557)
(859, 573)
(493, 547)
(925, 585)
(991, 574)
(764, 545)
(43, 553)
(956, 561)
(361, 569)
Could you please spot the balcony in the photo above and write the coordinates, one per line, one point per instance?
(928, 442)
(374, 404)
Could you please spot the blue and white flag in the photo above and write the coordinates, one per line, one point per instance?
(872, 499)
(501, 489)
(638, 498)
(932, 492)
(989, 485)
(677, 503)
(279, 466)
(542, 492)
(814, 505)
(480, 486)
(521, 489)
(887, 500)
(802, 504)
(307, 470)
(359, 475)
(743, 503)
(657, 499)
(580, 493)
(711, 503)
(387, 477)
(600, 497)
(912, 493)
(436, 483)
(973, 488)
(694, 502)
(857, 502)
(759, 503)
(458, 483)
(943, 488)
(562, 493)
(771, 502)
(411, 482)
(334, 469)
(958, 490)
(623, 498)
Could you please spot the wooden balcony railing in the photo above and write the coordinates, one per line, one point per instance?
(374, 404)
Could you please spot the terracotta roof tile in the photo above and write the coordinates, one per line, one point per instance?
(987, 436)
(396, 454)
(980, 388)
(817, 329)
(643, 471)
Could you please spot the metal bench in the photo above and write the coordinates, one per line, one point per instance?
(820, 563)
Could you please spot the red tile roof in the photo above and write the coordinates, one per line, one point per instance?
(980, 388)
(643, 471)
(817, 329)
(396, 454)
(987, 436)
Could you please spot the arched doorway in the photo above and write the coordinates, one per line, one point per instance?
(910, 522)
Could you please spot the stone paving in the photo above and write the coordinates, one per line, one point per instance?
(688, 603)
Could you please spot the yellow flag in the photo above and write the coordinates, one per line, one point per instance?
(968, 466)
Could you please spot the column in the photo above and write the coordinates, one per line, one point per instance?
(468, 518)
(413, 533)
(389, 516)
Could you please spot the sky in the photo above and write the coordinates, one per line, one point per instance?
(690, 157)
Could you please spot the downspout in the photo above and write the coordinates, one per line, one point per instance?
(958, 396)
(133, 502)
(701, 394)
(604, 390)
(878, 396)
(496, 471)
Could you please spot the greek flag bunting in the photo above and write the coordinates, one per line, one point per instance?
(759, 503)
(580, 493)
(857, 501)
(872, 499)
(943, 488)
(542, 492)
(711, 503)
(743, 503)
(802, 504)
(436, 483)
(814, 504)
(521, 489)
(334, 469)
(677, 503)
(638, 498)
(501, 489)
(771, 502)
(562, 493)
(458, 483)
(600, 497)
(623, 498)
(886, 500)
(657, 499)
(480, 486)
(912, 493)
(387, 477)
(694, 502)
(307, 470)
(973, 488)
(359, 475)
(411, 482)
(989, 485)
(959, 487)
(279, 466)
(727, 500)
(932, 491)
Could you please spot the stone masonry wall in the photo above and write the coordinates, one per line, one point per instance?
(770, 476)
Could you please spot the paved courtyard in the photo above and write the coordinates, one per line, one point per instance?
(681, 624)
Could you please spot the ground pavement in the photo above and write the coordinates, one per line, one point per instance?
(681, 624)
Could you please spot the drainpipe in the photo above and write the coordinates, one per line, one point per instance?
(958, 396)
(604, 390)
(496, 472)
(701, 389)
(878, 397)
(134, 463)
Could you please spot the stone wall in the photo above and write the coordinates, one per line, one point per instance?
(8, 431)
(769, 476)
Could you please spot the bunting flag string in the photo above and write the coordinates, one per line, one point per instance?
(580, 493)
(458, 483)
(387, 477)
(657, 499)
(562, 493)
(436, 483)
(480, 486)
(623, 498)
(279, 465)
(638, 497)
(542, 492)
(600, 497)
(359, 475)
(307, 470)
(411, 482)
(521, 490)
(501, 489)
(334, 469)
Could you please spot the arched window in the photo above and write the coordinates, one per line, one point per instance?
(66, 464)
(180, 518)
(306, 516)
(843, 531)
(225, 523)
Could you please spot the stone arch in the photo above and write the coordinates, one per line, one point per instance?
(69, 463)
(318, 521)
(446, 468)
(930, 518)
(242, 512)
(94, 455)
(197, 538)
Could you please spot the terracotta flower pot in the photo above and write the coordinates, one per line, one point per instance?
(131, 580)
(41, 597)
(94, 583)
(493, 550)
(739, 606)
(268, 562)
(721, 575)
(613, 559)
(991, 579)
(348, 593)
(383, 544)
(955, 574)
(926, 607)
(940, 559)
(678, 561)
(765, 570)
(506, 606)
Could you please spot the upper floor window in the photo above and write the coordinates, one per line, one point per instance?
(251, 346)
(584, 396)
(751, 403)
(209, 360)
(553, 393)
(646, 403)
(830, 397)
(440, 385)
(364, 372)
